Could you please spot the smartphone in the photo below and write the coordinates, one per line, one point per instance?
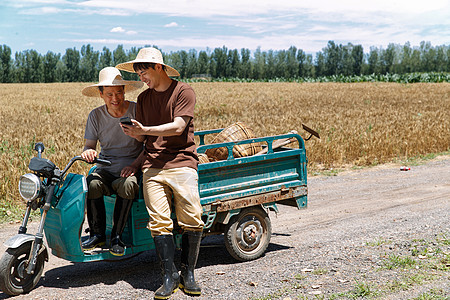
(126, 121)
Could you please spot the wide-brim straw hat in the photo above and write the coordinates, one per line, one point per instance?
(148, 55)
(111, 76)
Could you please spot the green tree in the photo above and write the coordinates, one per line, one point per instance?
(106, 59)
(6, 64)
(29, 66)
(233, 64)
(358, 59)
(388, 59)
(308, 66)
(203, 62)
(72, 65)
(426, 56)
(60, 71)
(246, 64)
(332, 55)
(347, 61)
(320, 67)
(183, 63)
(259, 64)
(291, 63)
(219, 62)
(406, 53)
(271, 67)
(88, 64)
(448, 59)
(373, 61)
(440, 62)
(119, 55)
(191, 63)
(34, 61)
(49, 62)
(276, 64)
(416, 65)
(21, 73)
(301, 58)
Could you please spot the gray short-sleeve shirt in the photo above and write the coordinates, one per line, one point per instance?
(115, 145)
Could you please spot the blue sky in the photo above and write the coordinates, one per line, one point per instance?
(172, 25)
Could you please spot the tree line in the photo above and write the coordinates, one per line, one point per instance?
(334, 60)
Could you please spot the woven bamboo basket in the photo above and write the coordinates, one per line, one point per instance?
(235, 132)
(202, 158)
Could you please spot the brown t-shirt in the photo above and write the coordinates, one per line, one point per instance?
(156, 108)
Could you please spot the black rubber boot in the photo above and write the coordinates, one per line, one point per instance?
(165, 247)
(121, 211)
(189, 254)
(97, 224)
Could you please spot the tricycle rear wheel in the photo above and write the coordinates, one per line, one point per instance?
(14, 279)
(247, 235)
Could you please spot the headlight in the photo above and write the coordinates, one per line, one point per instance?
(29, 186)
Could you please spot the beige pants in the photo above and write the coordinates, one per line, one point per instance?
(160, 187)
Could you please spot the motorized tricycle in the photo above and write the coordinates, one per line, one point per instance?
(236, 194)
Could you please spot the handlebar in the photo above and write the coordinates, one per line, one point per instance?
(100, 161)
(78, 157)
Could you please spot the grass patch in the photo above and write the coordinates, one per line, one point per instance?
(420, 159)
(427, 262)
(408, 281)
(320, 271)
(11, 211)
(396, 261)
(433, 294)
(300, 276)
(378, 242)
(361, 290)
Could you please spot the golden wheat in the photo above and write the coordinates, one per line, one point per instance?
(359, 124)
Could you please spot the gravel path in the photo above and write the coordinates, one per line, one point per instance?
(375, 233)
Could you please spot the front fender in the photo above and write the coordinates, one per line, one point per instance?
(19, 239)
(22, 238)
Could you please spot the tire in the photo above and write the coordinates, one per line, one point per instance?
(247, 235)
(13, 278)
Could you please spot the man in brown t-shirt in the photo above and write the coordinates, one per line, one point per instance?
(164, 122)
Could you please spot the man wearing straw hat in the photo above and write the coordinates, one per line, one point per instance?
(103, 126)
(164, 122)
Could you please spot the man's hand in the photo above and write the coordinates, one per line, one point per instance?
(128, 171)
(135, 131)
(89, 155)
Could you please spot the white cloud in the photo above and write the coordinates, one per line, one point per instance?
(308, 25)
(207, 8)
(40, 11)
(173, 24)
(117, 29)
(121, 30)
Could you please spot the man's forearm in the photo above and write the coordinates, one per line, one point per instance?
(140, 138)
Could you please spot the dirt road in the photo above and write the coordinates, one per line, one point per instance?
(379, 233)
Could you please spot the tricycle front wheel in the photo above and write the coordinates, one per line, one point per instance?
(14, 280)
(247, 235)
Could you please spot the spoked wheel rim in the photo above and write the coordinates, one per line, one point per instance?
(249, 233)
(18, 275)
(14, 279)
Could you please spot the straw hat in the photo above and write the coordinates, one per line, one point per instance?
(110, 76)
(148, 55)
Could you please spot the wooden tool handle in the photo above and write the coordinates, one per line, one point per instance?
(279, 143)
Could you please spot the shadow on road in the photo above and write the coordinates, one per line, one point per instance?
(141, 271)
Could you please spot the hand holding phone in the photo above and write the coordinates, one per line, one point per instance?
(126, 121)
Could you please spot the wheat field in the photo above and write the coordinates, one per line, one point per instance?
(360, 124)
